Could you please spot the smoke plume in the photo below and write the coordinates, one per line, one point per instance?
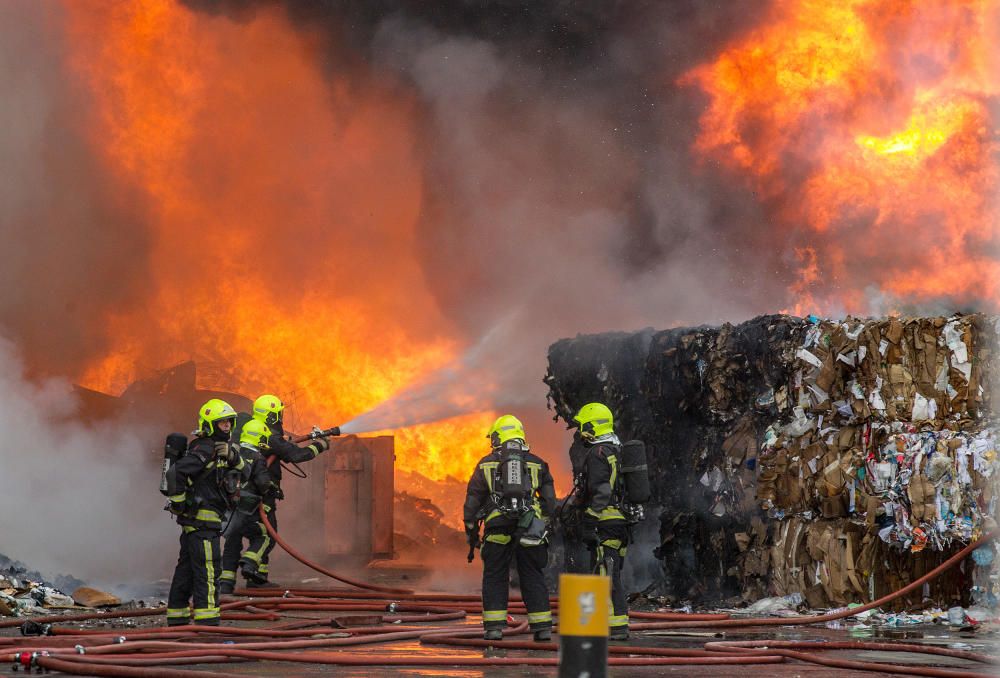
(77, 499)
(561, 196)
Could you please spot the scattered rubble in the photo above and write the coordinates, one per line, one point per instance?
(89, 597)
(420, 528)
(25, 592)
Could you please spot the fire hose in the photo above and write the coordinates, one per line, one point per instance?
(155, 651)
(316, 566)
(313, 435)
(148, 652)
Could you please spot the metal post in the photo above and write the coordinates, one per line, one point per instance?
(583, 625)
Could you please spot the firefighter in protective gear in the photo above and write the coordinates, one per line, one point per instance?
(576, 554)
(199, 509)
(514, 527)
(269, 410)
(255, 482)
(604, 527)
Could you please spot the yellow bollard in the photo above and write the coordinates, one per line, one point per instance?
(583, 625)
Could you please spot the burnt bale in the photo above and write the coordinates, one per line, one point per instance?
(697, 397)
(758, 436)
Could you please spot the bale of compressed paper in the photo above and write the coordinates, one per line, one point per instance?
(782, 450)
(889, 424)
(698, 397)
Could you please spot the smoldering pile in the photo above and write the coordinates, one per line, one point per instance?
(837, 459)
(26, 592)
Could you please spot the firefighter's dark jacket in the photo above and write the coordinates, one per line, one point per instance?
(255, 476)
(601, 482)
(202, 503)
(479, 502)
(288, 452)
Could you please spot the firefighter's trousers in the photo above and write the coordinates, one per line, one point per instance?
(265, 557)
(195, 577)
(247, 527)
(577, 558)
(609, 559)
(497, 552)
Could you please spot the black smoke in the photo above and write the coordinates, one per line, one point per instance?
(561, 193)
(556, 144)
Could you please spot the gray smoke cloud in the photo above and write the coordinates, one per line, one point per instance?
(76, 499)
(563, 191)
(563, 199)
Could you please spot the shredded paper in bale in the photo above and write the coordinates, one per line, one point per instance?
(790, 455)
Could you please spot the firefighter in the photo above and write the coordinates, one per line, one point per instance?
(205, 476)
(269, 410)
(245, 523)
(512, 489)
(576, 555)
(604, 527)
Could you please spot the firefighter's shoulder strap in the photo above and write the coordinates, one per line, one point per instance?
(609, 454)
(210, 465)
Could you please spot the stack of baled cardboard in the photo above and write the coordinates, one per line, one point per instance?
(839, 459)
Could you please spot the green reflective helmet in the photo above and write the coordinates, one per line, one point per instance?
(267, 409)
(595, 420)
(212, 412)
(507, 427)
(255, 434)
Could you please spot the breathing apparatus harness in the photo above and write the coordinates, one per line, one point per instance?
(631, 489)
(512, 489)
(513, 494)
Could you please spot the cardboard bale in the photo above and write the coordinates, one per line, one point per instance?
(859, 437)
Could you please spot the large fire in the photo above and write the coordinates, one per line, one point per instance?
(293, 197)
(285, 187)
(866, 124)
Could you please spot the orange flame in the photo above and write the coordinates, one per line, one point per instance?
(284, 201)
(867, 122)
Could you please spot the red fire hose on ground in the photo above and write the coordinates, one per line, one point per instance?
(316, 566)
(154, 652)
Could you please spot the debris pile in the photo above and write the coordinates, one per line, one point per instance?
(26, 592)
(838, 460)
(420, 527)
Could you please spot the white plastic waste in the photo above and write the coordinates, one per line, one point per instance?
(776, 603)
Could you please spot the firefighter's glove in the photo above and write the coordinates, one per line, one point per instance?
(176, 507)
(226, 454)
(321, 445)
(588, 530)
(472, 535)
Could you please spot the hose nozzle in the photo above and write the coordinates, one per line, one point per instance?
(318, 432)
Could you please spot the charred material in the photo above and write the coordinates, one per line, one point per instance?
(709, 401)
(685, 392)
